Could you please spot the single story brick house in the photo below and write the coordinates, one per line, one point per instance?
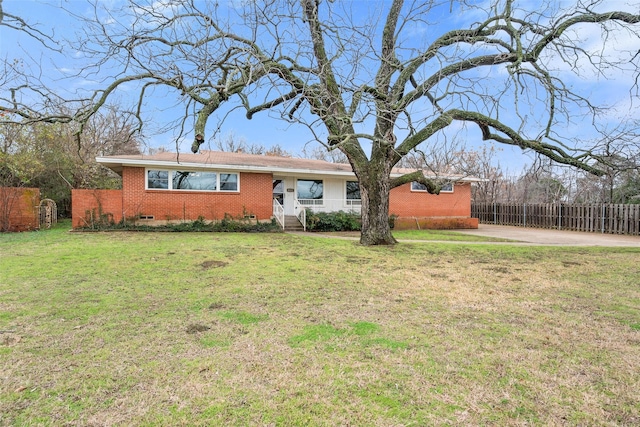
(183, 187)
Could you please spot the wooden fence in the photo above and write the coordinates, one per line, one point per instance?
(600, 218)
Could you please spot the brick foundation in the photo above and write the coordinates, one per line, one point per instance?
(409, 223)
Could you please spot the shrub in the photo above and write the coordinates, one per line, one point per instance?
(228, 224)
(98, 220)
(333, 221)
(392, 221)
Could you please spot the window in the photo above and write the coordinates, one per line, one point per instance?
(195, 181)
(446, 188)
(191, 180)
(228, 182)
(310, 192)
(157, 179)
(353, 193)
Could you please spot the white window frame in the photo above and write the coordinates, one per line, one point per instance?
(171, 174)
(443, 190)
(310, 202)
(351, 203)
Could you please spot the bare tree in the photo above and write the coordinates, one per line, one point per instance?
(47, 156)
(18, 24)
(375, 83)
(320, 153)
(482, 164)
(541, 184)
(233, 144)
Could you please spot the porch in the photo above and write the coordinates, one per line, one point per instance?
(292, 220)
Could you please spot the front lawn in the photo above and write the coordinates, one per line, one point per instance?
(277, 329)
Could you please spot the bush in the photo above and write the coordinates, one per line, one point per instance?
(228, 224)
(333, 221)
(392, 221)
(98, 220)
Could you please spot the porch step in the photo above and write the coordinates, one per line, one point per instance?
(291, 223)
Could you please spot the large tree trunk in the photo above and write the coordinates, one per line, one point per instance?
(374, 193)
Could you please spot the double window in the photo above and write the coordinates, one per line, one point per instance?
(191, 180)
(446, 188)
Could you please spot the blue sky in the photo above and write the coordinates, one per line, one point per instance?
(611, 88)
(50, 18)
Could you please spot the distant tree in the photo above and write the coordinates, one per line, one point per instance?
(540, 183)
(628, 191)
(620, 163)
(277, 151)
(442, 156)
(483, 165)
(374, 82)
(233, 144)
(47, 155)
(320, 153)
(20, 164)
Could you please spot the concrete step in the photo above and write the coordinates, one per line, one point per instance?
(291, 223)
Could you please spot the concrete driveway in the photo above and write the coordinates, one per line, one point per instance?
(537, 236)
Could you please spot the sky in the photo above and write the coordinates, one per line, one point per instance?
(611, 88)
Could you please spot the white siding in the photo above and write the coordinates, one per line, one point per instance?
(335, 195)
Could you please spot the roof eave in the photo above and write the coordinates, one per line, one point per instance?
(117, 165)
(452, 178)
(120, 163)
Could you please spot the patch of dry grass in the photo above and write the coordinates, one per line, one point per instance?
(229, 329)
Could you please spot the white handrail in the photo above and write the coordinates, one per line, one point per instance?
(331, 205)
(301, 213)
(278, 212)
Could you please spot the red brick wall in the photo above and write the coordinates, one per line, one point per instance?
(408, 223)
(255, 198)
(406, 203)
(88, 205)
(19, 208)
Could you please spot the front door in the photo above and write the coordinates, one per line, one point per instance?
(283, 196)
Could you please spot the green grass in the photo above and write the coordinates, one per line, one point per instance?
(206, 329)
(442, 235)
(426, 235)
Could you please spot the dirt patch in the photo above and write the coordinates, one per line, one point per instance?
(9, 339)
(196, 327)
(213, 264)
(570, 263)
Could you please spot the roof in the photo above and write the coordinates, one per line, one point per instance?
(243, 162)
